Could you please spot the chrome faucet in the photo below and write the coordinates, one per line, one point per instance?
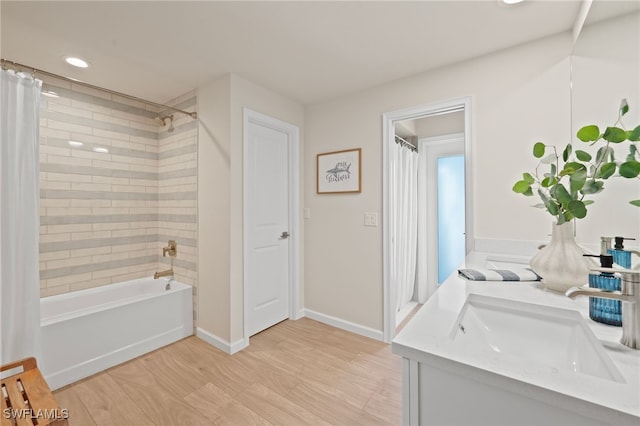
(167, 273)
(630, 297)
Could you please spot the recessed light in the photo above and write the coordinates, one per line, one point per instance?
(101, 150)
(512, 1)
(76, 62)
(75, 143)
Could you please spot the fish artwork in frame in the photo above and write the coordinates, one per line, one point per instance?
(339, 171)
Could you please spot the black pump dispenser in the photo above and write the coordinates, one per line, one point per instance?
(619, 245)
(606, 260)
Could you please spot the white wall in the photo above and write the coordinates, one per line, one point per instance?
(519, 96)
(439, 125)
(214, 193)
(220, 196)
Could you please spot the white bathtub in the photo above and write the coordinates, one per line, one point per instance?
(88, 331)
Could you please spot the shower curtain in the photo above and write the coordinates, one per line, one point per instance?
(404, 216)
(19, 216)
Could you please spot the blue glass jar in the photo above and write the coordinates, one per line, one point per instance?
(606, 311)
(621, 256)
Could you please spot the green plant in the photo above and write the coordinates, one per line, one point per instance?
(575, 175)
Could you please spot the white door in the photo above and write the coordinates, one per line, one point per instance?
(267, 272)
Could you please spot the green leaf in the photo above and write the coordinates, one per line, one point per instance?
(554, 169)
(634, 135)
(549, 181)
(588, 202)
(528, 192)
(538, 149)
(577, 180)
(602, 154)
(624, 107)
(566, 171)
(543, 196)
(589, 133)
(592, 187)
(606, 171)
(583, 155)
(521, 187)
(577, 209)
(552, 207)
(630, 169)
(561, 194)
(567, 152)
(635, 203)
(572, 167)
(528, 178)
(576, 166)
(614, 135)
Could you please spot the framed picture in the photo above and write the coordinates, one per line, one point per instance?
(339, 171)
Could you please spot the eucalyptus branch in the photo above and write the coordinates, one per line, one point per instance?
(585, 177)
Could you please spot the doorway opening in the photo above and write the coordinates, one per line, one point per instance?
(447, 160)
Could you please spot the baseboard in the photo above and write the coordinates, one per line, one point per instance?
(223, 345)
(344, 325)
(58, 379)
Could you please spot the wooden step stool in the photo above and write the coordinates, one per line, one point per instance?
(26, 398)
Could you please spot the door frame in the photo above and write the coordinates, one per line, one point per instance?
(388, 120)
(293, 135)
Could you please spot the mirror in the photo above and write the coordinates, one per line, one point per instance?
(605, 67)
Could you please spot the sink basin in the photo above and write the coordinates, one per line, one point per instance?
(532, 334)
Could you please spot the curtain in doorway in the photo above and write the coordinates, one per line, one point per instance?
(404, 216)
(19, 216)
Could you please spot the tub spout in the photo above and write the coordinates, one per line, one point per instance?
(167, 273)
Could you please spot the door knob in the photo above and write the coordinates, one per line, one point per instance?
(284, 235)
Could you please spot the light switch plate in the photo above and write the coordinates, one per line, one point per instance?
(307, 213)
(371, 219)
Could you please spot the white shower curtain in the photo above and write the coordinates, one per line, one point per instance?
(19, 216)
(404, 216)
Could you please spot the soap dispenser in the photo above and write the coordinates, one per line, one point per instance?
(621, 256)
(606, 311)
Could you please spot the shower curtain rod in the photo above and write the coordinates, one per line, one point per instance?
(7, 63)
(406, 143)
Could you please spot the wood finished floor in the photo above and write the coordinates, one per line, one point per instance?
(297, 372)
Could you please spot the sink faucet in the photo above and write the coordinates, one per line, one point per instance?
(630, 297)
(167, 273)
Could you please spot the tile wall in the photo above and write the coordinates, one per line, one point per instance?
(114, 188)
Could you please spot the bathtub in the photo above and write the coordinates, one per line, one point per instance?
(88, 331)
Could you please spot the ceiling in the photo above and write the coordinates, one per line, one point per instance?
(308, 51)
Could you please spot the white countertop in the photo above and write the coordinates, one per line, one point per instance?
(427, 338)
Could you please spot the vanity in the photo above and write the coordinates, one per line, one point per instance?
(512, 353)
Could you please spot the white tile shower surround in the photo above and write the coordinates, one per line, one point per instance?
(105, 216)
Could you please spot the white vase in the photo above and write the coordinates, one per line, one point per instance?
(561, 263)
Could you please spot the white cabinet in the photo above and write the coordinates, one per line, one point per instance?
(453, 382)
(439, 394)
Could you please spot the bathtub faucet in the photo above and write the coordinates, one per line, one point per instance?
(167, 273)
(171, 249)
